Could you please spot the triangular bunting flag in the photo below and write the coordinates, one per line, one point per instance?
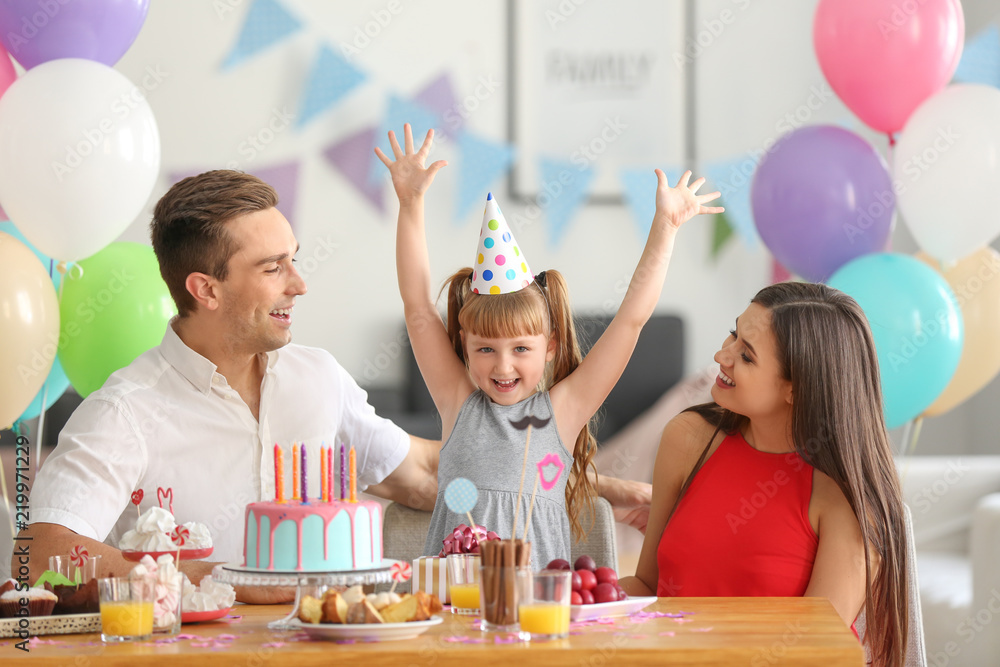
(284, 178)
(439, 96)
(398, 112)
(481, 162)
(352, 157)
(779, 274)
(564, 189)
(722, 231)
(330, 79)
(639, 190)
(731, 179)
(267, 22)
(980, 61)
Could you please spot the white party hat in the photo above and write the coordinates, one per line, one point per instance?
(500, 267)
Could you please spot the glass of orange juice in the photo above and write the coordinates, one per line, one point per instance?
(463, 583)
(543, 604)
(126, 608)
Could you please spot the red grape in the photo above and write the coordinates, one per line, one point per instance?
(585, 563)
(606, 575)
(558, 564)
(605, 593)
(575, 598)
(587, 580)
(587, 597)
(577, 581)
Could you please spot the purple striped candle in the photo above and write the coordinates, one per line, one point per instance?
(305, 495)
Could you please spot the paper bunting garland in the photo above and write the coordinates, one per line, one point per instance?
(482, 162)
(438, 96)
(400, 111)
(267, 22)
(980, 61)
(722, 232)
(352, 157)
(733, 179)
(564, 189)
(639, 189)
(330, 79)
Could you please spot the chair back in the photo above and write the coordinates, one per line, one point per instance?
(916, 654)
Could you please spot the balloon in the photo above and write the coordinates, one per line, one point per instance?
(884, 57)
(79, 156)
(821, 197)
(36, 31)
(115, 311)
(948, 171)
(49, 264)
(975, 280)
(29, 327)
(7, 72)
(916, 324)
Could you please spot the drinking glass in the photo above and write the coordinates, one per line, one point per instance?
(463, 583)
(126, 608)
(543, 604)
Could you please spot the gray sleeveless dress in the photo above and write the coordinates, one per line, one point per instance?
(485, 448)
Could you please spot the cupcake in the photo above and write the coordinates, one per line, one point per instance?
(40, 602)
(76, 599)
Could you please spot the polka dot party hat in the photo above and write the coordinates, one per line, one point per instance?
(500, 267)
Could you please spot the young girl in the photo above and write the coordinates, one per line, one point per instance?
(785, 485)
(490, 367)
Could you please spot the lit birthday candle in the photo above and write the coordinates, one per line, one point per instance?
(305, 471)
(322, 473)
(295, 472)
(354, 476)
(343, 472)
(279, 473)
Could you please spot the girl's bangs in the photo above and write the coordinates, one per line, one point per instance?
(520, 313)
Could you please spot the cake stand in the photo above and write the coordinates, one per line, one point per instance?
(239, 575)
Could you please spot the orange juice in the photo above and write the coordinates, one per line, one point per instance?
(127, 619)
(465, 596)
(544, 618)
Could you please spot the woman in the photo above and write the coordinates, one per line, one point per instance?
(785, 485)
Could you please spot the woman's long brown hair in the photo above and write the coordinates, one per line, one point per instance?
(540, 308)
(826, 350)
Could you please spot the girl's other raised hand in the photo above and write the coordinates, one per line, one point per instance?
(682, 202)
(409, 176)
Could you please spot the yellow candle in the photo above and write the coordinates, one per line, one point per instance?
(279, 473)
(127, 619)
(322, 474)
(543, 618)
(465, 596)
(352, 461)
(295, 472)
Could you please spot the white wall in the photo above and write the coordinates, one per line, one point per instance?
(758, 69)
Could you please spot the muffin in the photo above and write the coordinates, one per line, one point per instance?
(40, 602)
(76, 599)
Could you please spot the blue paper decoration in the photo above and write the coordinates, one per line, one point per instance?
(330, 79)
(267, 22)
(461, 495)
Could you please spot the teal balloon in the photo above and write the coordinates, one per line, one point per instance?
(916, 323)
(8, 227)
(56, 385)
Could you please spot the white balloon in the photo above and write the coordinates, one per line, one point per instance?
(79, 155)
(947, 171)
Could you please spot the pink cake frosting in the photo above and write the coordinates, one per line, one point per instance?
(314, 536)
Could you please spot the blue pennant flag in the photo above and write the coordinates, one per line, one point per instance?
(482, 161)
(565, 187)
(732, 178)
(402, 111)
(980, 61)
(267, 23)
(639, 189)
(331, 78)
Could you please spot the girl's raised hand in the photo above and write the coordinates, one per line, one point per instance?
(409, 176)
(682, 202)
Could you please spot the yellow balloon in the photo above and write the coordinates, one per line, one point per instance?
(29, 327)
(975, 279)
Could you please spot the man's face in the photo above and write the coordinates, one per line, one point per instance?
(257, 297)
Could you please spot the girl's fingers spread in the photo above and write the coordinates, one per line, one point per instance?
(661, 177)
(712, 209)
(408, 138)
(697, 184)
(684, 179)
(396, 150)
(382, 156)
(437, 165)
(709, 197)
(425, 148)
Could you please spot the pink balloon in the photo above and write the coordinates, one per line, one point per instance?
(884, 57)
(7, 73)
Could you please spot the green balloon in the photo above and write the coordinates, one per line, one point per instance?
(115, 311)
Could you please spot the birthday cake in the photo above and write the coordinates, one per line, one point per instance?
(313, 536)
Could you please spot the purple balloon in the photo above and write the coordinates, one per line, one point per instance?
(821, 197)
(36, 31)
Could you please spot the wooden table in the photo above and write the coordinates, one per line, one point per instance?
(757, 632)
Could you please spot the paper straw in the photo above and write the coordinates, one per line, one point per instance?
(520, 488)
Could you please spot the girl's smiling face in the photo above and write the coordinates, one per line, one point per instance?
(509, 370)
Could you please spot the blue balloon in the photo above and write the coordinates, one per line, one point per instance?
(56, 384)
(50, 264)
(916, 323)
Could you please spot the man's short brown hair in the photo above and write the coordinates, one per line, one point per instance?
(189, 226)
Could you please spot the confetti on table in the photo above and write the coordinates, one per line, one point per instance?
(700, 629)
(511, 638)
(666, 634)
(226, 638)
(272, 645)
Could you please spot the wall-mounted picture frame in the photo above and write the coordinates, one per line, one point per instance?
(597, 84)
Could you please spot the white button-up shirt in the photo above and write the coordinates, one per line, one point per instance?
(170, 421)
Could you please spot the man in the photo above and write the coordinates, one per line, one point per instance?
(200, 413)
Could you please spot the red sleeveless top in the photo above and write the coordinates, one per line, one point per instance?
(742, 528)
